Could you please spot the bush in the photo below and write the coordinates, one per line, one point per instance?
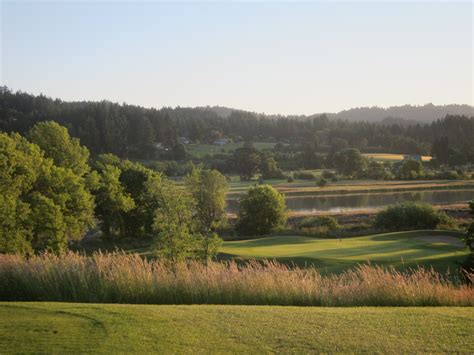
(448, 175)
(304, 175)
(261, 211)
(322, 182)
(327, 174)
(319, 221)
(411, 215)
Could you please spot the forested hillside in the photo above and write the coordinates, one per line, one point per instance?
(133, 131)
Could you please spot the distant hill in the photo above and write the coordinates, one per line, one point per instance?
(425, 114)
(221, 111)
(403, 115)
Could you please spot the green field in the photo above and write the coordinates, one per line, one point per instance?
(440, 249)
(104, 328)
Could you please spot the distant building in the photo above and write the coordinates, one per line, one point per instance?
(221, 141)
(183, 140)
(160, 146)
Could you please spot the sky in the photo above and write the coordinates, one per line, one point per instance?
(287, 58)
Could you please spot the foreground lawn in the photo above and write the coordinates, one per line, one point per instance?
(105, 328)
(439, 249)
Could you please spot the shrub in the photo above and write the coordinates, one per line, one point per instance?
(304, 175)
(322, 182)
(319, 221)
(411, 170)
(411, 215)
(261, 211)
(448, 175)
(327, 174)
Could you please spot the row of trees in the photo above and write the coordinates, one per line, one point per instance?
(133, 131)
(50, 195)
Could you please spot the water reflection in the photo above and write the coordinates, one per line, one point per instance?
(340, 203)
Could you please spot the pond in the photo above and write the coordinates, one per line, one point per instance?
(354, 202)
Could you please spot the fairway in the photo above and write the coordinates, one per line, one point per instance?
(402, 249)
(105, 328)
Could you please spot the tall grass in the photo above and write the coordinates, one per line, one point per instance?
(120, 278)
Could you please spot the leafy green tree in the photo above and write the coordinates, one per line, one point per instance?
(208, 190)
(112, 201)
(246, 161)
(58, 145)
(136, 217)
(376, 170)
(411, 169)
(173, 221)
(350, 162)
(261, 211)
(269, 168)
(469, 238)
(69, 192)
(15, 233)
(44, 206)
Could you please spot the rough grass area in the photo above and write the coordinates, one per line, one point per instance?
(128, 278)
(102, 328)
(401, 250)
(344, 187)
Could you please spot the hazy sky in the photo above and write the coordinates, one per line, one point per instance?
(264, 57)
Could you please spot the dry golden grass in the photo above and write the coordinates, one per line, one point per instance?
(120, 278)
(392, 157)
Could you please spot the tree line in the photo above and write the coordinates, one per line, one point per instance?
(53, 193)
(132, 131)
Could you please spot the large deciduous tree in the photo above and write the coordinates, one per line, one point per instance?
(173, 222)
(261, 211)
(208, 190)
(43, 206)
(246, 161)
(349, 162)
(58, 145)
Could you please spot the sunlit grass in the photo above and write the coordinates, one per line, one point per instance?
(402, 250)
(65, 328)
(128, 278)
(392, 157)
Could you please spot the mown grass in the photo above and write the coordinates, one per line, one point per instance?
(401, 250)
(105, 328)
(128, 278)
